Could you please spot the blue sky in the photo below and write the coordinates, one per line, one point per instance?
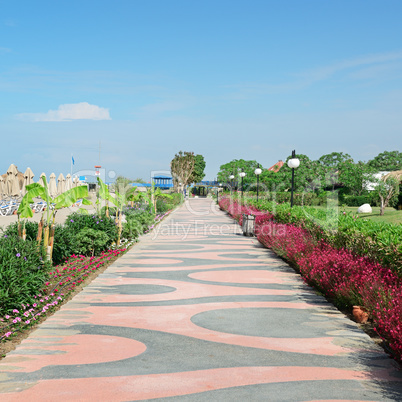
(225, 79)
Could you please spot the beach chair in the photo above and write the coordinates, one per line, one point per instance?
(78, 203)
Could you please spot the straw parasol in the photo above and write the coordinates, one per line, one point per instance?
(28, 179)
(69, 183)
(2, 187)
(41, 180)
(61, 182)
(52, 185)
(396, 174)
(12, 185)
(76, 180)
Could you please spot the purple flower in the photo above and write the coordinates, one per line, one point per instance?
(71, 220)
(5, 236)
(18, 255)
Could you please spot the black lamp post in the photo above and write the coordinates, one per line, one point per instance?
(293, 164)
(257, 172)
(231, 177)
(242, 174)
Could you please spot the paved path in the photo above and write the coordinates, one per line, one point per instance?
(198, 312)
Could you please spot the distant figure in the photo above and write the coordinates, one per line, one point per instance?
(184, 193)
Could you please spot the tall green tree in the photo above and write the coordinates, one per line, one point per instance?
(354, 177)
(181, 167)
(236, 166)
(309, 176)
(387, 190)
(387, 161)
(199, 167)
(333, 159)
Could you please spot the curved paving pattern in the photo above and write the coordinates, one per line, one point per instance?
(197, 312)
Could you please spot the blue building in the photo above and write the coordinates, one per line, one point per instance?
(164, 182)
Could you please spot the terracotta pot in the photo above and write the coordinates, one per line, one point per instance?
(360, 314)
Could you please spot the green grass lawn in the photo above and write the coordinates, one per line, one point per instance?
(391, 215)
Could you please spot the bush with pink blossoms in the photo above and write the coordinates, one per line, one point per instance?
(344, 277)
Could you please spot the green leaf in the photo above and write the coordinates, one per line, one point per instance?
(71, 196)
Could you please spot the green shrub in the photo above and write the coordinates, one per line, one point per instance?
(91, 242)
(31, 229)
(144, 218)
(77, 221)
(379, 241)
(23, 272)
(162, 205)
(65, 244)
(132, 229)
(357, 200)
(299, 198)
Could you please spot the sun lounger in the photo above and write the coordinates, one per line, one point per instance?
(8, 209)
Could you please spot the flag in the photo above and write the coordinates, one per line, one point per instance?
(72, 159)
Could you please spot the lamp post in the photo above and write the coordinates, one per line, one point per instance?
(231, 177)
(242, 174)
(257, 172)
(293, 164)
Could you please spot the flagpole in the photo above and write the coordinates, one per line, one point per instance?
(71, 166)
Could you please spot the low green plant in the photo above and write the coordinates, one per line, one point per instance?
(65, 244)
(77, 221)
(91, 242)
(23, 271)
(132, 229)
(31, 229)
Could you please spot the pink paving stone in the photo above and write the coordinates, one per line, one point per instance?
(156, 261)
(172, 319)
(136, 388)
(81, 349)
(246, 276)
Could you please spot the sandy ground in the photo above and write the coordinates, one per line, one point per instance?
(61, 215)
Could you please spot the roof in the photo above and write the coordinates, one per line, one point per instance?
(275, 168)
(396, 174)
(161, 176)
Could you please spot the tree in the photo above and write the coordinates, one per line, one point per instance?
(122, 181)
(46, 225)
(309, 176)
(354, 177)
(333, 159)
(387, 189)
(234, 168)
(387, 161)
(199, 167)
(182, 166)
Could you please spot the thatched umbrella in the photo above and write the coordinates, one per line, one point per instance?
(52, 185)
(12, 185)
(76, 180)
(28, 179)
(2, 189)
(69, 183)
(396, 174)
(41, 180)
(61, 181)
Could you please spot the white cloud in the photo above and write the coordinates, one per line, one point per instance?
(68, 112)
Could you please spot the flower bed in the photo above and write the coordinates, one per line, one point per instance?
(346, 278)
(61, 282)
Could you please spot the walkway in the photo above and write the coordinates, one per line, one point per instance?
(198, 312)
